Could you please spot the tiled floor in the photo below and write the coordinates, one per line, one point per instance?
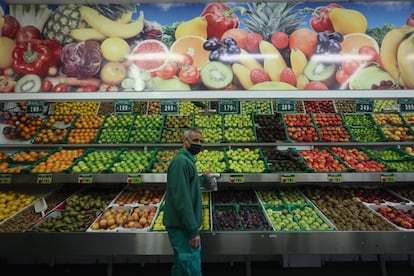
(216, 269)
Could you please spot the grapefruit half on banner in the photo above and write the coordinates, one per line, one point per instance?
(193, 46)
(150, 55)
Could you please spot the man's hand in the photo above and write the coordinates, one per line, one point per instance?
(195, 242)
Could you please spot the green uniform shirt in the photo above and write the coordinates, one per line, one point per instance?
(183, 199)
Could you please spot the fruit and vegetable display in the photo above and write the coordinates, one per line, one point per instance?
(128, 208)
(204, 46)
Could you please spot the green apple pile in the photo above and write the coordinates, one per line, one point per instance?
(211, 161)
(113, 135)
(269, 197)
(238, 120)
(160, 166)
(95, 162)
(245, 160)
(264, 107)
(309, 219)
(148, 121)
(144, 135)
(239, 135)
(208, 121)
(292, 197)
(366, 134)
(212, 135)
(248, 107)
(282, 219)
(166, 155)
(118, 121)
(178, 121)
(134, 161)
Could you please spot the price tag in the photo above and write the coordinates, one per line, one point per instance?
(284, 106)
(35, 107)
(229, 106)
(5, 178)
(134, 179)
(406, 105)
(387, 178)
(288, 178)
(236, 179)
(364, 106)
(335, 178)
(123, 106)
(169, 106)
(44, 178)
(85, 179)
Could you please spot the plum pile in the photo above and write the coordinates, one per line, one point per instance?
(235, 197)
(225, 219)
(269, 128)
(375, 196)
(253, 219)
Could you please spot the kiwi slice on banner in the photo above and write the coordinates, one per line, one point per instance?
(320, 71)
(216, 75)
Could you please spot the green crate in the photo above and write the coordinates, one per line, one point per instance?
(148, 121)
(326, 119)
(59, 135)
(366, 134)
(252, 218)
(212, 135)
(208, 120)
(225, 218)
(310, 218)
(239, 135)
(342, 134)
(144, 135)
(358, 119)
(281, 218)
(14, 157)
(94, 161)
(113, 135)
(238, 120)
(391, 153)
(118, 120)
(400, 166)
(178, 121)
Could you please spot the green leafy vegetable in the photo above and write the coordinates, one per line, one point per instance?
(33, 14)
(378, 33)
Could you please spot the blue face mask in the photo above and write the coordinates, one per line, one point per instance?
(194, 149)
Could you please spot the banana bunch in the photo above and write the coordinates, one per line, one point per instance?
(103, 27)
(396, 48)
(273, 65)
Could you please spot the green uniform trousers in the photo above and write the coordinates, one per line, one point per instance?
(187, 260)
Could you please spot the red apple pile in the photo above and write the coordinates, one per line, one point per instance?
(358, 160)
(322, 160)
(327, 119)
(402, 218)
(303, 134)
(334, 134)
(391, 119)
(299, 120)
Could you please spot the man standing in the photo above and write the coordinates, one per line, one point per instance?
(183, 206)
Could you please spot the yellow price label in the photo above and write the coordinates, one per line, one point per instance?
(134, 179)
(288, 178)
(387, 178)
(335, 178)
(5, 178)
(85, 179)
(236, 179)
(44, 179)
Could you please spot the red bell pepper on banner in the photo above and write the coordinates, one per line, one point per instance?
(320, 20)
(35, 57)
(220, 18)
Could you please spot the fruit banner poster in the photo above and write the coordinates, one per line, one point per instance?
(206, 46)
